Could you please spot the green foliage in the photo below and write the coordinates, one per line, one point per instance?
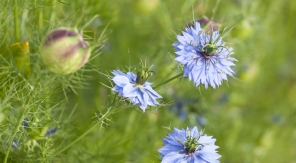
(251, 116)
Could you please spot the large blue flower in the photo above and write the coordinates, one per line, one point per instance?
(189, 146)
(139, 93)
(205, 58)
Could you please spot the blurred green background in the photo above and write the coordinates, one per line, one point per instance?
(252, 116)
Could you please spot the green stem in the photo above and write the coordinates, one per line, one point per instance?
(170, 79)
(105, 116)
(40, 19)
(53, 14)
(19, 123)
(16, 31)
(91, 20)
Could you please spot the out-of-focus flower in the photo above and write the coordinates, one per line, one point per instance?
(146, 6)
(37, 132)
(64, 51)
(181, 106)
(205, 58)
(190, 146)
(136, 88)
(208, 25)
(15, 144)
(277, 119)
(26, 123)
(50, 131)
(178, 109)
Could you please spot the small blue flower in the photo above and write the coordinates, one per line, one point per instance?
(26, 123)
(189, 146)
(50, 131)
(15, 144)
(136, 88)
(179, 109)
(205, 58)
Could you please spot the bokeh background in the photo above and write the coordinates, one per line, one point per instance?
(252, 115)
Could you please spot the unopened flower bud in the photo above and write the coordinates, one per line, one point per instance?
(146, 6)
(64, 51)
(208, 25)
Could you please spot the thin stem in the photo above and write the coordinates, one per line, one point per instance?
(105, 116)
(23, 22)
(170, 79)
(91, 20)
(53, 14)
(40, 19)
(16, 30)
(215, 9)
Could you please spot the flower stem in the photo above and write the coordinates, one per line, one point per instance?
(40, 19)
(170, 79)
(105, 116)
(53, 14)
(16, 30)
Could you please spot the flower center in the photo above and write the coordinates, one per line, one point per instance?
(209, 49)
(139, 85)
(142, 76)
(190, 145)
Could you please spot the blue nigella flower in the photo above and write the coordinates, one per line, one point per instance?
(51, 131)
(15, 144)
(136, 88)
(189, 146)
(205, 58)
(181, 106)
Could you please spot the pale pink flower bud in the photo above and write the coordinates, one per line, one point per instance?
(64, 51)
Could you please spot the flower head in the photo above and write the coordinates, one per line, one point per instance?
(64, 51)
(15, 144)
(205, 58)
(136, 88)
(50, 131)
(190, 146)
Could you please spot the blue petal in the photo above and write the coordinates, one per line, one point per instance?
(130, 91)
(174, 157)
(169, 148)
(141, 96)
(118, 72)
(121, 80)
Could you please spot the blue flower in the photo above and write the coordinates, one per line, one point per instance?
(136, 88)
(205, 58)
(51, 131)
(190, 146)
(15, 144)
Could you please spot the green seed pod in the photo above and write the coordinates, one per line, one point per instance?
(64, 51)
(146, 6)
